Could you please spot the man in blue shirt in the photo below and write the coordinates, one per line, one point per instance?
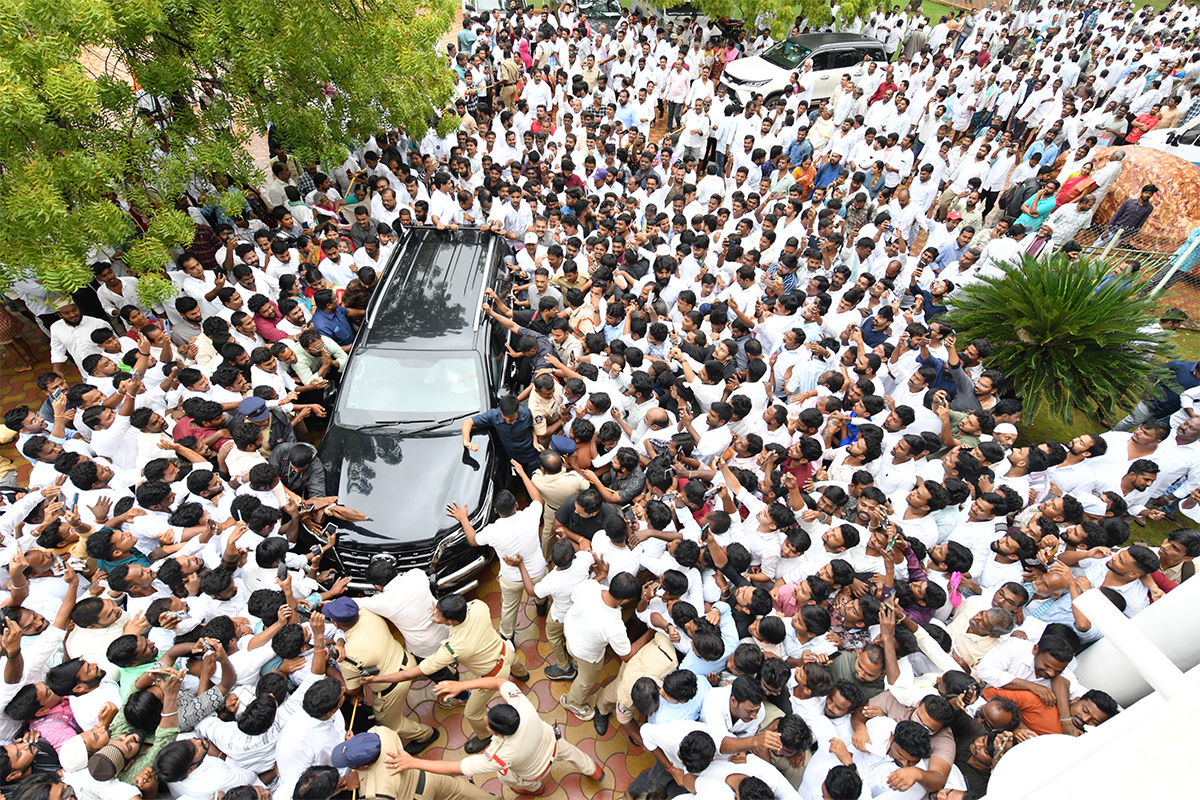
(802, 148)
(1046, 148)
(951, 252)
(626, 112)
(513, 426)
(828, 173)
(1186, 375)
(331, 319)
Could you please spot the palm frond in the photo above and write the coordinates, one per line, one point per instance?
(1068, 335)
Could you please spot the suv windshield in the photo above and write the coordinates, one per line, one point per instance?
(788, 55)
(395, 384)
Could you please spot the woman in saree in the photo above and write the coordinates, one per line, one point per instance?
(1076, 186)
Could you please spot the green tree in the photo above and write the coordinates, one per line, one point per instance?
(74, 141)
(1069, 336)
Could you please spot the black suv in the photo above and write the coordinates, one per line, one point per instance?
(425, 359)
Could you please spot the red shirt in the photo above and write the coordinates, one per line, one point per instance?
(266, 327)
(885, 86)
(186, 427)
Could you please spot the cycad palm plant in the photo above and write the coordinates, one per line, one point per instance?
(1068, 335)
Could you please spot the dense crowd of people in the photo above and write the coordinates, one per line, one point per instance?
(761, 469)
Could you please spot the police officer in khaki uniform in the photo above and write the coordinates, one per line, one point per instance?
(371, 777)
(522, 751)
(370, 646)
(556, 485)
(474, 645)
(510, 74)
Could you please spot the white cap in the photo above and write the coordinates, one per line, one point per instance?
(531, 238)
(73, 754)
(1005, 427)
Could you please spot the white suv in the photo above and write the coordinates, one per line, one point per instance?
(1182, 142)
(833, 55)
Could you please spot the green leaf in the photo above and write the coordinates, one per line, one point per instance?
(1069, 336)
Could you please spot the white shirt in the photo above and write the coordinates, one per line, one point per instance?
(212, 776)
(304, 743)
(118, 442)
(559, 584)
(716, 715)
(592, 625)
(1013, 660)
(76, 341)
(520, 535)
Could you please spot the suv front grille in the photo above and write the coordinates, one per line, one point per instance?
(412, 556)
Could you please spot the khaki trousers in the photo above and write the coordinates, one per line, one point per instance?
(564, 751)
(390, 711)
(476, 708)
(512, 595)
(585, 681)
(655, 660)
(558, 640)
(508, 94)
(443, 787)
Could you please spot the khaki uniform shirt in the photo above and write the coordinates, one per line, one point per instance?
(545, 412)
(557, 489)
(473, 643)
(376, 780)
(526, 753)
(370, 644)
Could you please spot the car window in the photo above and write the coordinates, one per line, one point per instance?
(788, 55)
(823, 60)
(844, 59)
(496, 355)
(391, 384)
(1190, 136)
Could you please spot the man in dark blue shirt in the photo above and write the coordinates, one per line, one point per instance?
(1163, 400)
(331, 319)
(513, 426)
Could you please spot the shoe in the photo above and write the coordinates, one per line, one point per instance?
(414, 747)
(476, 745)
(523, 675)
(452, 701)
(601, 723)
(598, 775)
(557, 673)
(533, 792)
(583, 713)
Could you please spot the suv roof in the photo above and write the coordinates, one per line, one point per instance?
(429, 294)
(815, 40)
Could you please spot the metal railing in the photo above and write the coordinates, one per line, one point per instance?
(1168, 270)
